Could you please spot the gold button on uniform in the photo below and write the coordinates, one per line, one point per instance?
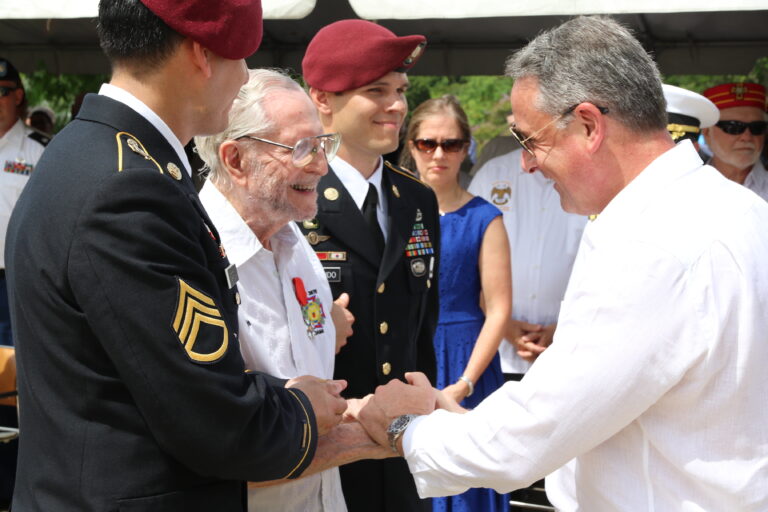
(429, 283)
(381, 288)
(383, 327)
(386, 368)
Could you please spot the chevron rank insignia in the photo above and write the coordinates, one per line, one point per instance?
(200, 326)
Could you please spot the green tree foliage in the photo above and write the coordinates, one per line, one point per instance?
(58, 92)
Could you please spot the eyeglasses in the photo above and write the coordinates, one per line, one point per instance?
(5, 90)
(738, 127)
(304, 151)
(523, 140)
(448, 145)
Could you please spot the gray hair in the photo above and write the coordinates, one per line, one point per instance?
(594, 59)
(247, 117)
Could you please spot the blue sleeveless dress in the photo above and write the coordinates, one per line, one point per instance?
(459, 324)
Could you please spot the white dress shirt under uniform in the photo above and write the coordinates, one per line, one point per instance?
(18, 156)
(656, 380)
(543, 240)
(357, 186)
(273, 336)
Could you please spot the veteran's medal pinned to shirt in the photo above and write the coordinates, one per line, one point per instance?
(311, 308)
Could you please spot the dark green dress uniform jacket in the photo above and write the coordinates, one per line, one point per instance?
(133, 395)
(394, 299)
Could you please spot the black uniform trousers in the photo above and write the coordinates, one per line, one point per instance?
(394, 299)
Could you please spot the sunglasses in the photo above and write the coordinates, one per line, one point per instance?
(523, 140)
(304, 151)
(6, 90)
(448, 145)
(738, 127)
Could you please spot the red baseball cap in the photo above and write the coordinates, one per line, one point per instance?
(348, 54)
(230, 28)
(742, 94)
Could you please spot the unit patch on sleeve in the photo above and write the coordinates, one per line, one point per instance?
(196, 312)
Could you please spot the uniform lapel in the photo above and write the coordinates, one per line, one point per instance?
(341, 216)
(401, 219)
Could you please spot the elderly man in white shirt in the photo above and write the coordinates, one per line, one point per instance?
(654, 387)
(264, 170)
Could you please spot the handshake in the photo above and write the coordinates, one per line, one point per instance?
(356, 429)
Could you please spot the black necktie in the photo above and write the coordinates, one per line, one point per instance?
(369, 214)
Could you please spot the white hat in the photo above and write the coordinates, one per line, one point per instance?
(688, 103)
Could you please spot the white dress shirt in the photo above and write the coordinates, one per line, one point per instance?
(274, 337)
(18, 156)
(757, 180)
(543, 241)
(656, 381)
(357, 186)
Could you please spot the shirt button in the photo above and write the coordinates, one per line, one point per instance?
(386, 368)
(381, 288)
(383, 327)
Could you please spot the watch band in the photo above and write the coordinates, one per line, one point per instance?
(396, 429)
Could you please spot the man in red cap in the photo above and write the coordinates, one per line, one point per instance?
(376, 231)
(123, 300)
(737, 139)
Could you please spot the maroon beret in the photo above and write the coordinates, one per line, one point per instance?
(348, 54)
(229, 28)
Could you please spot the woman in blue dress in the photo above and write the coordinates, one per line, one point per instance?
(474, 270)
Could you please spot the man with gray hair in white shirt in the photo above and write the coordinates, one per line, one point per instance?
(653, 390)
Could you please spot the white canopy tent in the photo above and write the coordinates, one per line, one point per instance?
(686, 36)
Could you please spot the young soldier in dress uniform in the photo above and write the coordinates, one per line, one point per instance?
(134, 392)
(376, 230)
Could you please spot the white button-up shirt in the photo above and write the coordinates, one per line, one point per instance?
(276, 335)
(18, 156)
(543, 240)
(757, 180)
(656, 381)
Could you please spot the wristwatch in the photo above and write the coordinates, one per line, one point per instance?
(396, 429)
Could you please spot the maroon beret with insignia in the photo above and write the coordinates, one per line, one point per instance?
(348, 54)
(230, 28)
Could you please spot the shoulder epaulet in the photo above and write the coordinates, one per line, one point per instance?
(404, 172)
(39, 137)
(125, 139)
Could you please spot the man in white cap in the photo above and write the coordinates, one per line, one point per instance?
(688, 113)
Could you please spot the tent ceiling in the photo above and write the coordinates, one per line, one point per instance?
(716, 38)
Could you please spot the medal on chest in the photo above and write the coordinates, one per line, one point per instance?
(311, 308)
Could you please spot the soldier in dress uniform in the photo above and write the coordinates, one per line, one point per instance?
(376, 230)
(134, 392)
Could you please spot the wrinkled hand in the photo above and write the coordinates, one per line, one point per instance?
(342, 320)
(354, 405)
(325, 397)
(395, 399)
(534, 340)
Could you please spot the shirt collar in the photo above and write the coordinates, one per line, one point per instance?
(238, 239)
(634, 198)
(355, 183)
(756, 175)
(131, 101)
(16, 132)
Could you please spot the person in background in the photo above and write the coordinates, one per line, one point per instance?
(42, 119)
(687, 113)
(376, 231)
(134, 393)
(20, 149)
(474, 267)
(653, 390)
(737, 139)
(497, 146)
